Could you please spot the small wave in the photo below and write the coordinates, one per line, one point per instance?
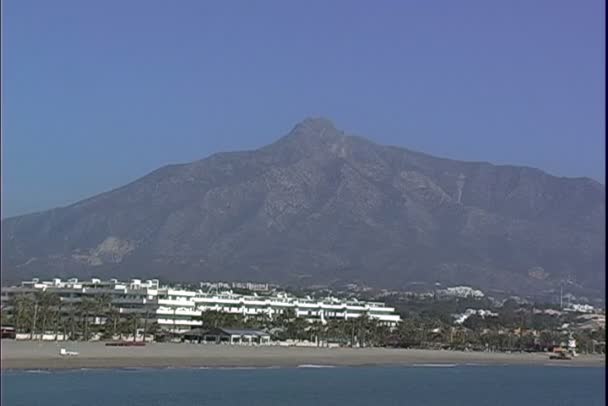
(236, 368)
(315, 366)
(240, 368)
(81, 370)
(435, 365)
(135, 369)
(37, 371)
(560, 365)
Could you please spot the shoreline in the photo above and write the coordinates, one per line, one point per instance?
(27, 355)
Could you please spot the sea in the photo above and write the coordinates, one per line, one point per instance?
(424, 385)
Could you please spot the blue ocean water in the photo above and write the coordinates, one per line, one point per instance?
(423, 386)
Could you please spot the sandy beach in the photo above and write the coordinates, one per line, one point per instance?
(45, 355)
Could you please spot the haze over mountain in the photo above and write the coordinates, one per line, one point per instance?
(320, 207)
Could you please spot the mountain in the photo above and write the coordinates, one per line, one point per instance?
(319, 207)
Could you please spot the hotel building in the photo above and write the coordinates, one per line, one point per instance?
(176, 309)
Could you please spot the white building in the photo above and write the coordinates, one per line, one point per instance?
(311, 309)
(580, 308)
(177, 309)
(461, 318)
(461, 291)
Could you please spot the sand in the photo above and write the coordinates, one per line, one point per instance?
(45, 355)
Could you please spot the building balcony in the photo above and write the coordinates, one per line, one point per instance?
(178, 311)
(176, 303)
(179, 322)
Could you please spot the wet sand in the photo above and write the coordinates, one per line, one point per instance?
(45, 355)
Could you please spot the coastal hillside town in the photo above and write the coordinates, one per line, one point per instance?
(459, 317)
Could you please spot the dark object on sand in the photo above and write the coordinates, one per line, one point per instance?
(559, 354)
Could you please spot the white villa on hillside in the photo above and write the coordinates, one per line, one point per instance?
(176, 309)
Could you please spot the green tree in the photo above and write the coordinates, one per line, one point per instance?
(211, 318)
(72, 322)
(316, 331)
(6, 318)
(102, 307)
(133, 321)
(124, 327)
(58, 320)
(152, 329)
(21, 308)
(549, 338)
(86, 308)
(46, 303)
(113, 318)
(408, 333)
(259, 321)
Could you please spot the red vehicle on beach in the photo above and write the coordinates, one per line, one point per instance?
(8, 332)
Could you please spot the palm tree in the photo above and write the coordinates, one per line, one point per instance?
(6, 318)
(152, 329)
(370, 331)
(21, 308)
(58, 318)
(290, 326)
(111, 323)
(134, 322)
(261, 321)
(72, 321)
(408, 333)
(335, 330)
(315, 330)
(146, 323)
(41, 309)
(127, 325)
(284, 318)
(34, 318)
(211, 318)
(123, 326)
(31, 312)
(103, 306)
(46, 303)
(297, 328)
(86, 307)
(367, 329)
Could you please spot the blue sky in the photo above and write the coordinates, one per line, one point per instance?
(99, 93)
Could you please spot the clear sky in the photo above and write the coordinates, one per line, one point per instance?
(99, 93)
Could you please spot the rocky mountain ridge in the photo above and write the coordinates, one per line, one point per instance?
(320, 206)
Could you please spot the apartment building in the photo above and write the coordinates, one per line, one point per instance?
(176, 309)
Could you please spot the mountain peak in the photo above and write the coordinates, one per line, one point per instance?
(315, 126)
(313, 136)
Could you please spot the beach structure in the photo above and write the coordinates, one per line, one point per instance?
(177, 310)
(227, 336)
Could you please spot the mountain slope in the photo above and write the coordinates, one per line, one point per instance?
(318, 206)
